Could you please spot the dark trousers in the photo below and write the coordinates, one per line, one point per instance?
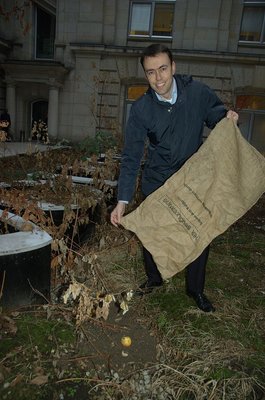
(195, 271)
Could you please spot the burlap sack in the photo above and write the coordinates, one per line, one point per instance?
(213, 189)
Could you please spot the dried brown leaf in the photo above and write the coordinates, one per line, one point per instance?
(17, 380)
(39, 380)
(102, 310)
(26, 227)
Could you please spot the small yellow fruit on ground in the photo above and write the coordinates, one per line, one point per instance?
(126, 341)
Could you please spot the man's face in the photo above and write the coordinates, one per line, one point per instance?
(159, 72)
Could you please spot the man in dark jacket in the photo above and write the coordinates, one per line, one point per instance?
(171, 115)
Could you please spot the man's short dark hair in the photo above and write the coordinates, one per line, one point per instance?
(153, 50)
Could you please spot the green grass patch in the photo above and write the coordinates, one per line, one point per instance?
(37, 343)
(231, 341)
(35, 332)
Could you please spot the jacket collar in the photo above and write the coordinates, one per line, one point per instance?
(174, 94)
(181, 80)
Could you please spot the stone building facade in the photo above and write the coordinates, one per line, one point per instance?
(76, 63)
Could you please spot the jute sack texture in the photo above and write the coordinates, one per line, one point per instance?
(213, 189)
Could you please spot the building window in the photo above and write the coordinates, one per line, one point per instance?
(133, 93)
(151, 19)
(45, 34)
(251, 111)
(253, 22)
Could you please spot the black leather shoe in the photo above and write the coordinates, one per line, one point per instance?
(202, 302)
(147, 287)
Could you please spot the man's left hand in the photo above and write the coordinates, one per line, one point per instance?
(233, 115)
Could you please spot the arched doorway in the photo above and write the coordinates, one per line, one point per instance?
(39, 120)
(39, 111)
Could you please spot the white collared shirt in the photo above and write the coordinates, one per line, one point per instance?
(174, 94)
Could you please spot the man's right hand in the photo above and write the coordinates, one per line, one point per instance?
(117, 213)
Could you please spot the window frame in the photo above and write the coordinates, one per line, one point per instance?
(52, 14)
(251, 112)
(129, 101)
(152, 15)
(253, 4)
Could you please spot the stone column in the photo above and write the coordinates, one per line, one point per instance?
(2, 94)
(11, 106)
(53, 111)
